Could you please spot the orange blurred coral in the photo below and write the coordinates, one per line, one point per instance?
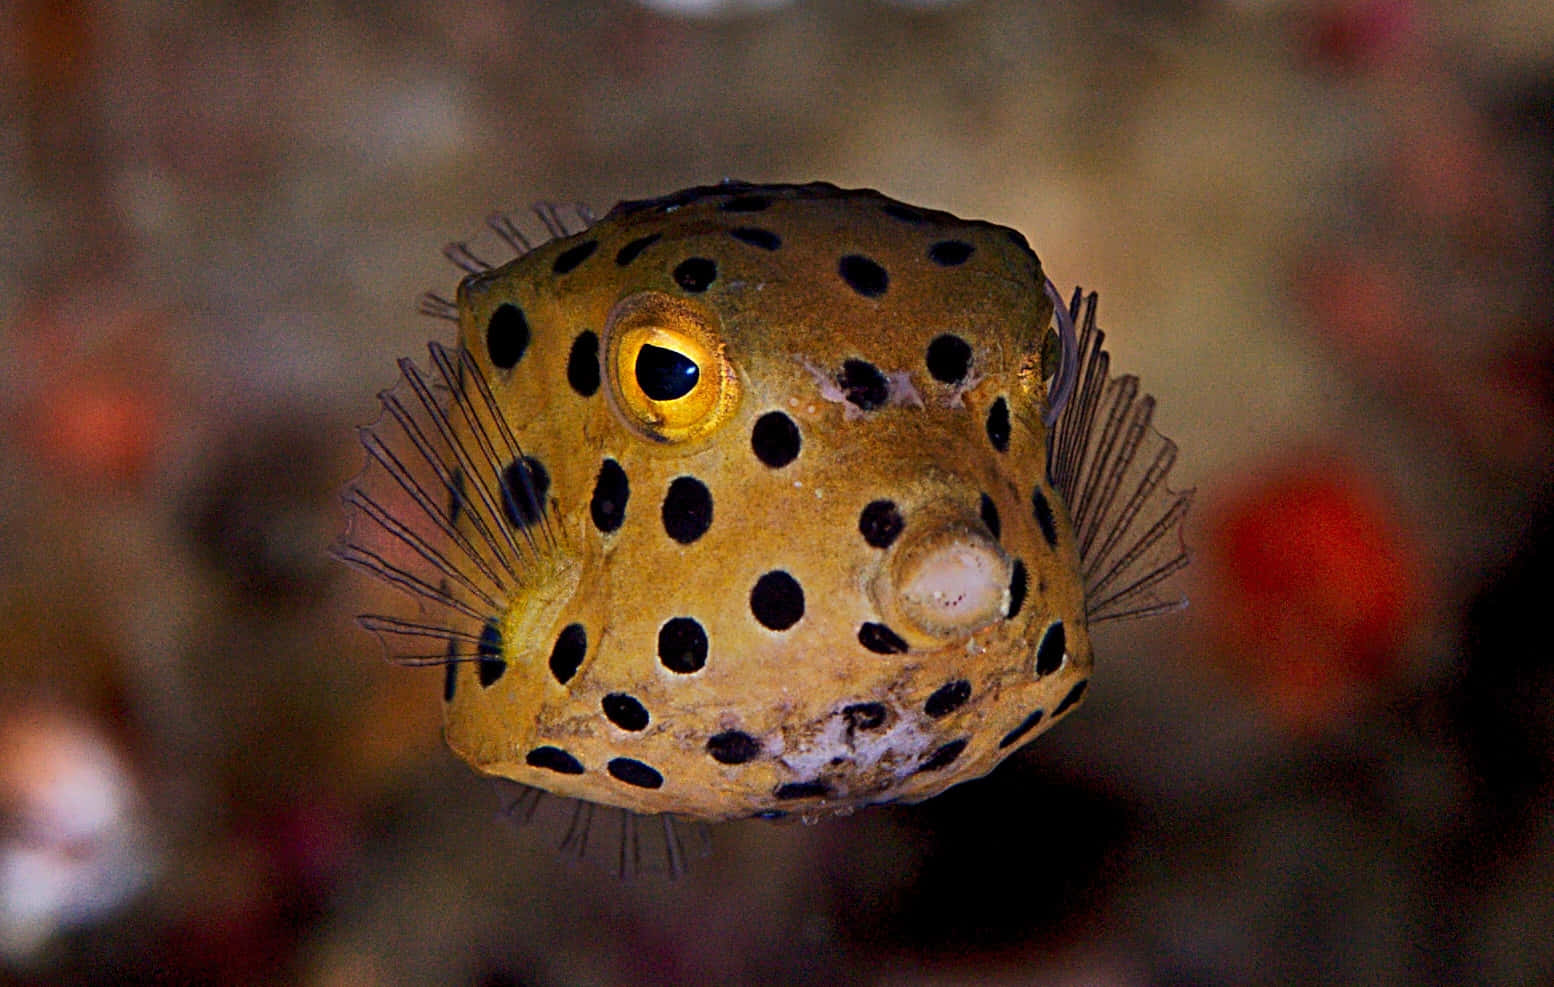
(1315, 586)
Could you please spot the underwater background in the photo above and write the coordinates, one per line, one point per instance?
(1323, 235)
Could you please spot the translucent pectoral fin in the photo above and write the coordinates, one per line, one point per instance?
(430, 514)
(1110, 465)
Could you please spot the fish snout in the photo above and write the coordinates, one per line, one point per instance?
(945, 578)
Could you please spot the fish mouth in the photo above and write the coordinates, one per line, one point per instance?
(945, 579)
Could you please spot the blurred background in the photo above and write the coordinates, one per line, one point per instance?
(1323, 235)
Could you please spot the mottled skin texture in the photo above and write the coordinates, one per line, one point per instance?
(784, 321)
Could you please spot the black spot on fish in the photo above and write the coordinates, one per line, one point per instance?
(694, 274)
(863, 275)
(553, 759)
(950, 253)
(947, 698)
(802, 790)
(865, 716)
(630, 251)
(1017, 589)
(682, 645)
(525, 484)
(1026, 726)
(1074, 695)
(881, 639)
(1049, 654)
(777, 600)
(568, 259)
(456, 496)
(732, 747)
(998, 425)
(756, 237)
(611, 492)
(905, 213)
(624, 711)
(775, 439)
(583, 364)
(863, 384)
(880, 522)
(567, 655)
(507, 336)
(491, 666)
(944, 756)
(1044, 518)
(948, 358)
(687, 510)
(634, 772)
(989, 512)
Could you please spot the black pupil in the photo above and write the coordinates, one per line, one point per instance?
(664, 374)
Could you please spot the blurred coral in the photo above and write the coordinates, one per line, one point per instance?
(1357, 35)
(1313, 584)
(77, 843)
(93, 407)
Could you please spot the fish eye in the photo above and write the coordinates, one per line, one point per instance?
(668, 377)
(664, 374)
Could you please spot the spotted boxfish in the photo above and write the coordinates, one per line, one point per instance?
(758, 500)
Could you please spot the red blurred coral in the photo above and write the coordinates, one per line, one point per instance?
(1315, 586)
(94, 408)
(1358, 34)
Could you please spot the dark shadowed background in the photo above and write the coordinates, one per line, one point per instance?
(1321, 232)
